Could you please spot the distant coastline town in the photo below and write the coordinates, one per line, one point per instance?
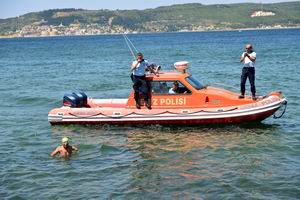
(95, 29)
(76, 29)
(33, 25)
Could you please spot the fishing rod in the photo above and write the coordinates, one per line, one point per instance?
(130, 45)
(136, 50)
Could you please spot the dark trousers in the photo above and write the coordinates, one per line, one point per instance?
(140, 85)
(248, 72)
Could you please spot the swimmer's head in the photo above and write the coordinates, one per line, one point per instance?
(65, 140)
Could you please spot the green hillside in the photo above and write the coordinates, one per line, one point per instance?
(168, 18)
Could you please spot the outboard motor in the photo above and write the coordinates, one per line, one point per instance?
(71, 100)
(82, 97)
(76, 99)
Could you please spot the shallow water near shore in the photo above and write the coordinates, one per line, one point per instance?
(248, 161)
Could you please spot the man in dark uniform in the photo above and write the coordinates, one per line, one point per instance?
(138, 68)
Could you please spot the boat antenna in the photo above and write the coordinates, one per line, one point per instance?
(130, 45)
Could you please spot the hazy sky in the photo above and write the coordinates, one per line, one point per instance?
(13, 8)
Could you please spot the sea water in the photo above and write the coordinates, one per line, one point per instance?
(251, 161)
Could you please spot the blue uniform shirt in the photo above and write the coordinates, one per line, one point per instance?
(140, 69)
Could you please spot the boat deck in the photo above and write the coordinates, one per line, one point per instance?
(110, 103)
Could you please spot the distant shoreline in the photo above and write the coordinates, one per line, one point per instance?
(187, 31)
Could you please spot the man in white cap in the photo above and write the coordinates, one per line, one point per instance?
(65, 150)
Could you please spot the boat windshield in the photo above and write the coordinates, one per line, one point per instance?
(194, 82)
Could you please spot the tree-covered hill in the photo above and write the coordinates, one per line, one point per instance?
(194, 17)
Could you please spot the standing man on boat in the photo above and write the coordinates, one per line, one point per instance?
(248, 58)
(138, 69)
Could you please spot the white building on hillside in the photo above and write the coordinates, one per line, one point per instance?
(262, 14)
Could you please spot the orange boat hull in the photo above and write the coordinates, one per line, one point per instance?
(228, 120)
(256, 111)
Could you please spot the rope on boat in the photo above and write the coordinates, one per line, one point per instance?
(285, 105)
(80, 116)
(166, 112)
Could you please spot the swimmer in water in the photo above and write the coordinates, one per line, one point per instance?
(65, 150)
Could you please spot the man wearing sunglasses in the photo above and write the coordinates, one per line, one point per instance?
(248, 59)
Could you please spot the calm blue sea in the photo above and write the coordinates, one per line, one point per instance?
(257, 161)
